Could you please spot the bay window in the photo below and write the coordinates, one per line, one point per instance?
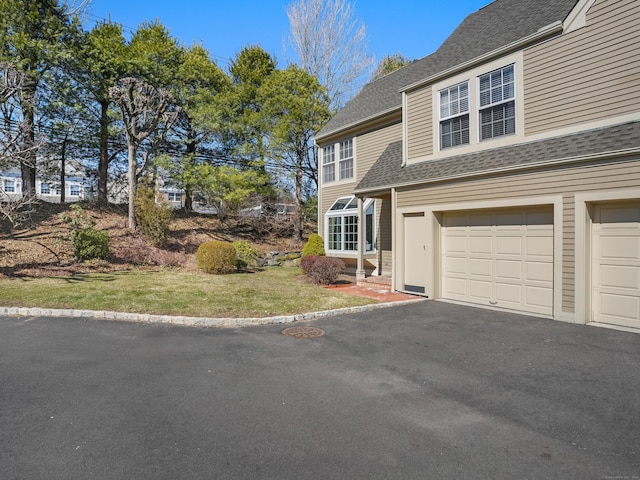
(341, 222)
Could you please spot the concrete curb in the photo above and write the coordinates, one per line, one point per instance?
(192, 321)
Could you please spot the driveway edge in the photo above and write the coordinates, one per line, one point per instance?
(192, 321)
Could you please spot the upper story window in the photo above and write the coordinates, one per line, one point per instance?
(329, 163)
(497, 103)
(454, 115)
(346, 159)
(45, 189)
(341, 168)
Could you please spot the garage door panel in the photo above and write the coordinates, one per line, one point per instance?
(480, 290)
(538, 220)
(456, 245)
(626, 247)
(540, 246)
(616, 214)
(509, 222)
(508, 292)
(509, 269)
(456, 266)
(481, 245)
(539, 272)
(481, 267)
(620, 276)
(615, 267)
(539, 297)
(509, 245)
(456, 288)
(620, 306)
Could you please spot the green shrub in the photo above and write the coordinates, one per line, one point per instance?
(216, 257)
(89, 244)
(314, 246)
(153, 217)
(245, 254)
(77, 218)
(323, 270)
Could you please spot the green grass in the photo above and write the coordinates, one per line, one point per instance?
(277, 291)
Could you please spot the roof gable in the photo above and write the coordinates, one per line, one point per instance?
(494, 26)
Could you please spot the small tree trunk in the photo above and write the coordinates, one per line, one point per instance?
(28, 163)
(131, 151)
(103, 163)
(63, 168)
(299, 219)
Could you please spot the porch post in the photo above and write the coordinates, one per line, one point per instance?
(360, 273)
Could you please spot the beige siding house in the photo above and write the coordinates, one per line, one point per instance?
(503, 170)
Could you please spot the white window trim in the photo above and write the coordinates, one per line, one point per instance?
(348, 213)
(337, 161)
(332, 163)
(450, 117)
(78, 194)
(342, 159)
(480, 108)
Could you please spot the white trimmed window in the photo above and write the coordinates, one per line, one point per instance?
(9, 186)
(74, 190)
(174, 196)
(329, 164)
(454, 116)
(497, 103)
(45, 189)
(341, 223)
(346, 159)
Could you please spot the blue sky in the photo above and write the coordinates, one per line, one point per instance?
(414, 28)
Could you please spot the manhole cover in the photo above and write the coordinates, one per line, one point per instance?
(303, 332)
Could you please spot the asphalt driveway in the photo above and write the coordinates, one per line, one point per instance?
(425, 391)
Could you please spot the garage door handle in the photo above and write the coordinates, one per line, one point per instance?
(493, 303)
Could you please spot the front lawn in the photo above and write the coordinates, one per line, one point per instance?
(276, 291)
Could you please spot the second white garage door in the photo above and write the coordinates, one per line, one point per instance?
(501, 258)
(616, 264)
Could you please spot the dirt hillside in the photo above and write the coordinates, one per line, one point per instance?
(42, 245)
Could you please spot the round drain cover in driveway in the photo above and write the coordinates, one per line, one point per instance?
(303, 332)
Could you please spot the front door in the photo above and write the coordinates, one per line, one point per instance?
(415, 253)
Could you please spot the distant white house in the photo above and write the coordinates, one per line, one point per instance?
(46, 190)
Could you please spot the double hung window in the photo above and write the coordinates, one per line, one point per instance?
(329, 164)
(74, 190)
(346, 159)
(45, 189)
(497, 103)
(174, 196)
(454, 115)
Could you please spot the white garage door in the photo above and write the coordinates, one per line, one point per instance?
(616, 264)
(502, 258)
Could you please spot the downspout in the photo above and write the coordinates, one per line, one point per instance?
(405, 134)
(360, 272)
(394, 234)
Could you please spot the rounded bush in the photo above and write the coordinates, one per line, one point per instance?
(314, 246)
(323, 270)
(216, 257)
(89, 244)
(153, 217)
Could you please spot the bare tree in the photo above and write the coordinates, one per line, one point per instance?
(145, 112)
(13, 127)
(11, 81)
(331, 43)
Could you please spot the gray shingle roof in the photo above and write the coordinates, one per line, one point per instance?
(498, 24)
(387, 171)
